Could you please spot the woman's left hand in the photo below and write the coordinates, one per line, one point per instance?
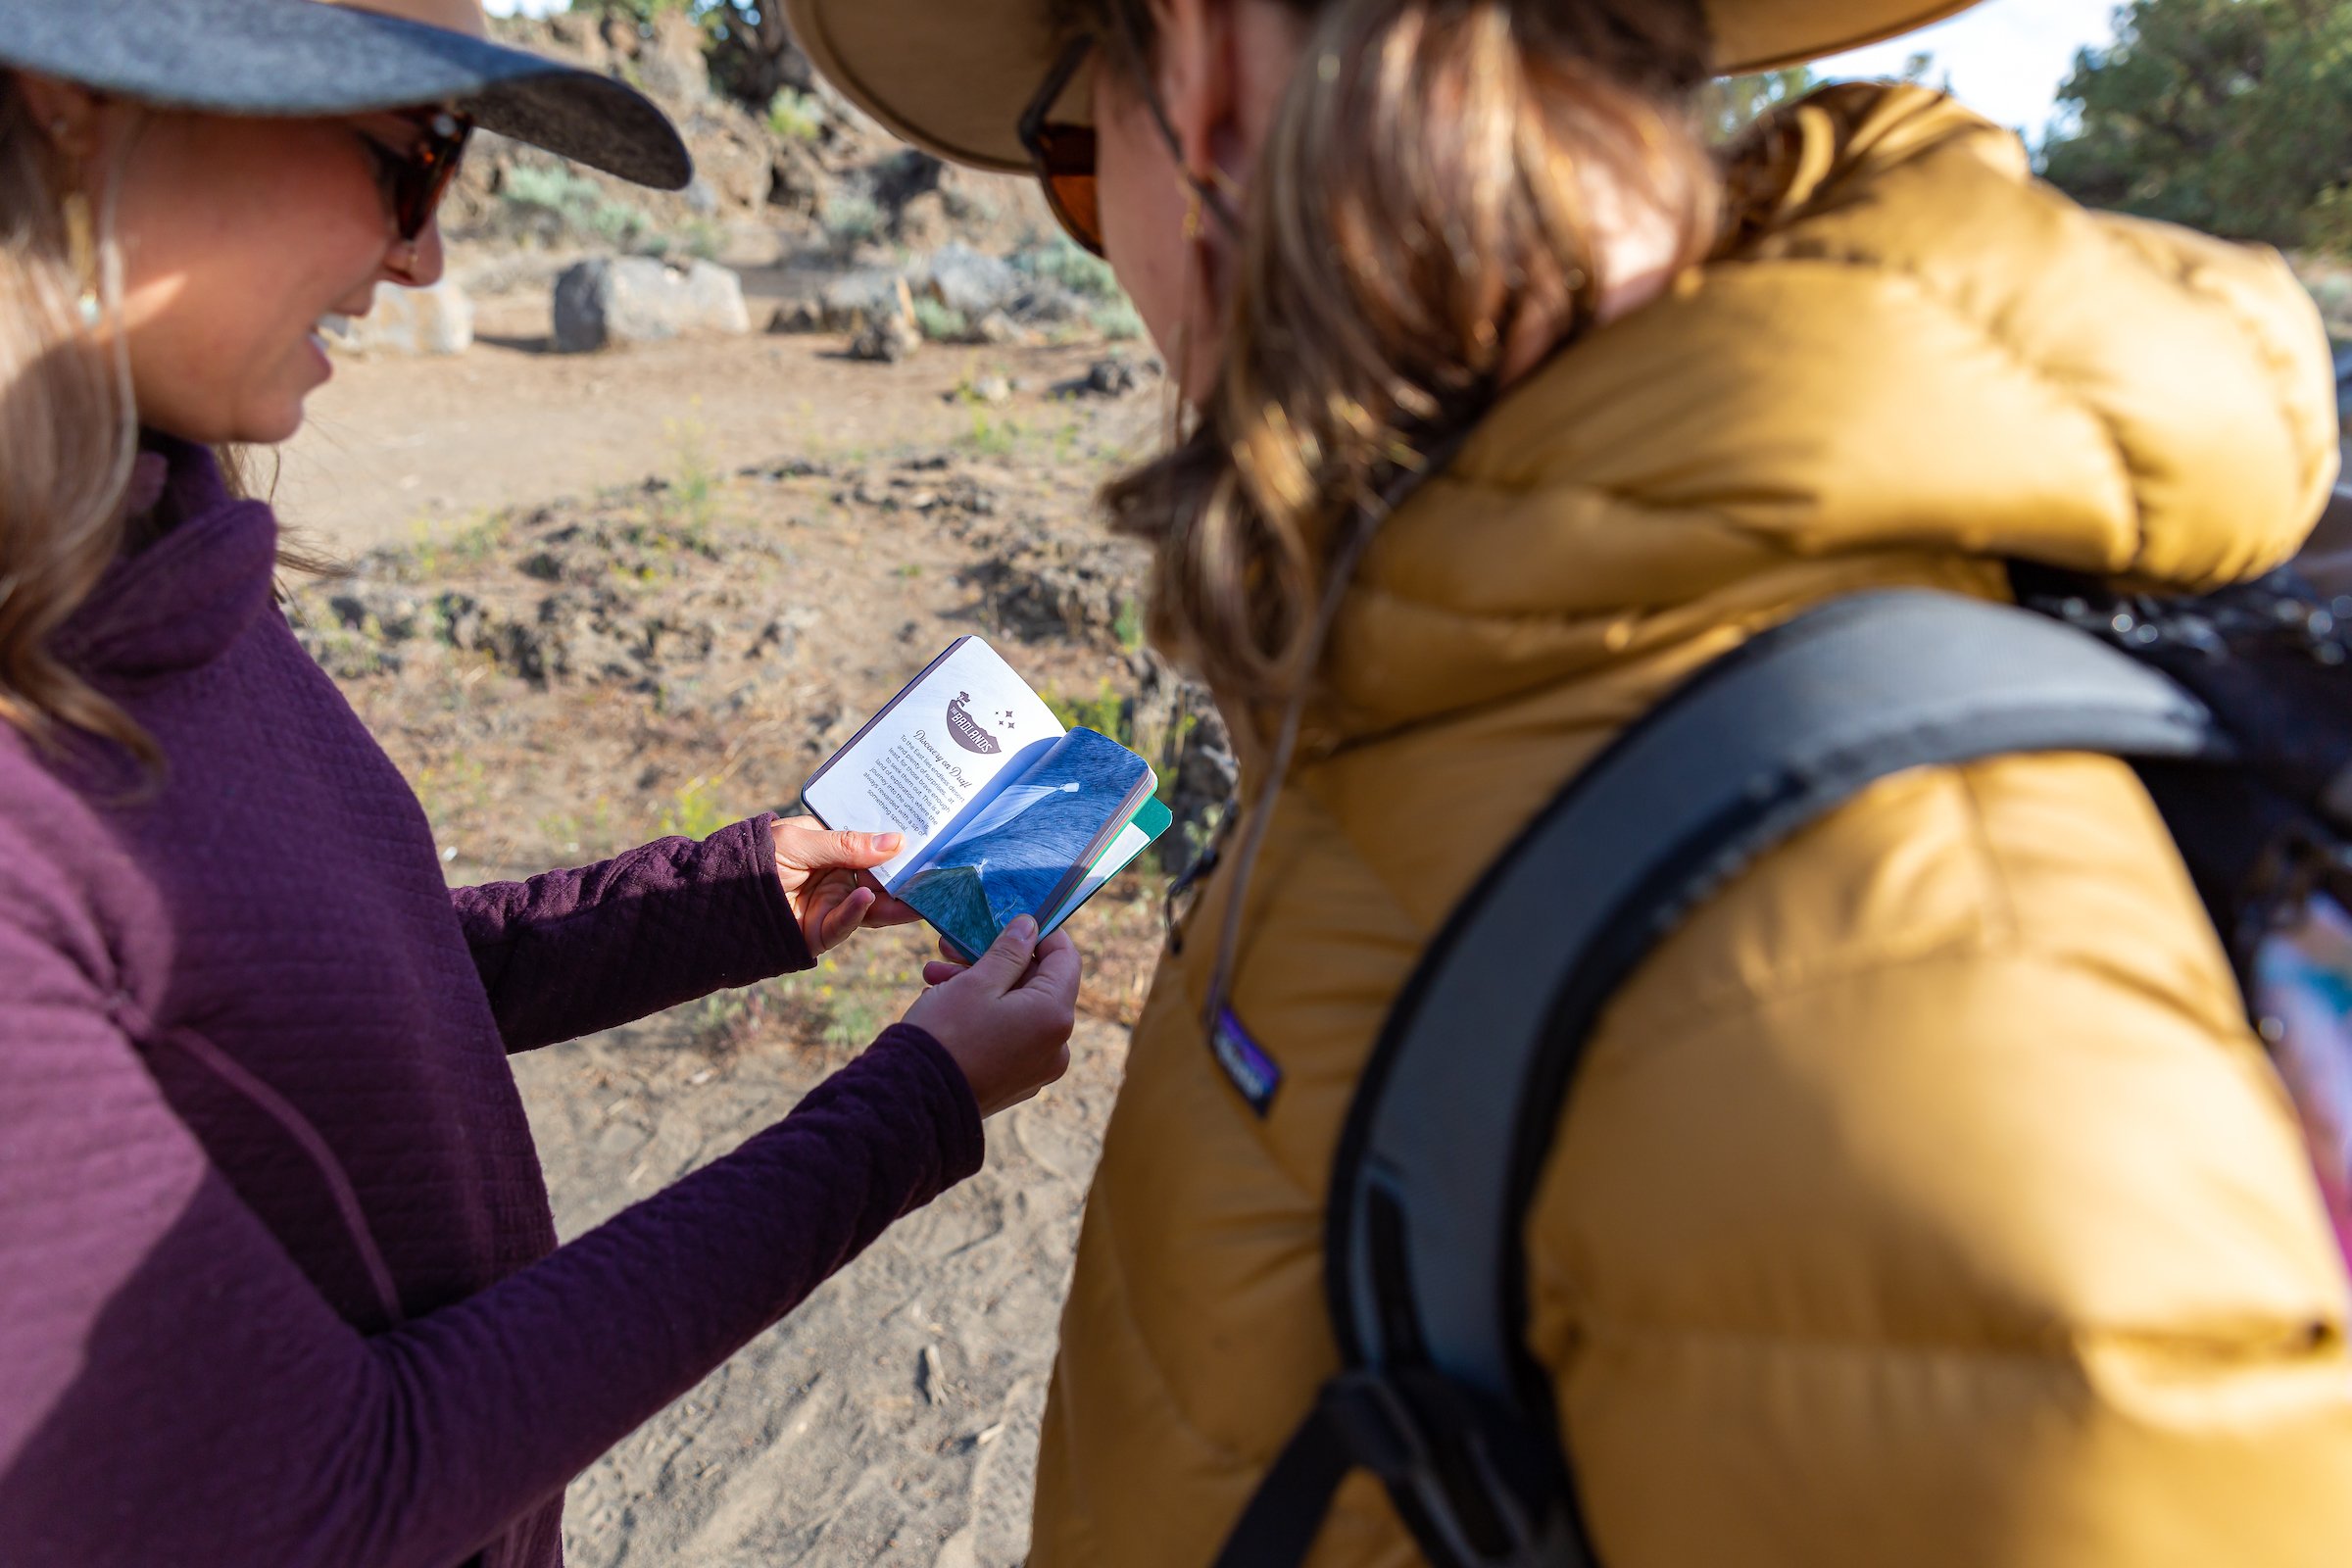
(824, 877)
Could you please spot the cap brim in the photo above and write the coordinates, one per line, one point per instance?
(952, 75)
(290, 57)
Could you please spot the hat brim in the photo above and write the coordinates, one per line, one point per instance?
(952, 75)
(294, 58)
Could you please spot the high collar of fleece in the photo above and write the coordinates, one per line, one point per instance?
(178, 603)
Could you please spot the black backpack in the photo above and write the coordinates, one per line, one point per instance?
(2237, 711)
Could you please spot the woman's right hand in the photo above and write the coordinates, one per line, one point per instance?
(1007, 1019)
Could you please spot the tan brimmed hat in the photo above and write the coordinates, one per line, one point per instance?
(952, 75)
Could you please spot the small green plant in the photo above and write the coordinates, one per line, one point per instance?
(695, 812)
(992, 438)
(722, 1023)
(479, 540)
(577, 204)
(852, 1022)
(644, 11)
(793, 115)
(1105, 713)
(1128, 627)
(1117, 321)
(852, 218)
(940, 323)
(697, 239)
(1061, 260)
(430, 556)
(554, 186)
(688, 508)
(621, 226)
(347, 653)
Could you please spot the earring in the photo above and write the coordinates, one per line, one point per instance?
(82, 253)
(82, 233)
(1180, 370)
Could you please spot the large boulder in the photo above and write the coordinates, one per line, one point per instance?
(436, 320)
(611, 301)
(970, 283)
(890, 333)
(888, 339)
(860, 296)
(963, 280)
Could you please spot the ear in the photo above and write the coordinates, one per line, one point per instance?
(1197, 72)
(65, 112)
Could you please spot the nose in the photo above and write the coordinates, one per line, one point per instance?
(417, 264)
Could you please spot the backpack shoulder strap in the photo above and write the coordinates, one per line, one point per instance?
(1453, 1119)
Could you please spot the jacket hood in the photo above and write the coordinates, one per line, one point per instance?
(1911, 362)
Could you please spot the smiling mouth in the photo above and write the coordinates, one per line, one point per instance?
(341, 324)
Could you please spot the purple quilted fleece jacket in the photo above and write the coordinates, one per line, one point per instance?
(279, 1283)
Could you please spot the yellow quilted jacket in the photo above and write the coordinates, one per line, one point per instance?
(1925, 1199)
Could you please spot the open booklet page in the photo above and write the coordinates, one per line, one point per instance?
(934, 750)
(1031, 842)
(1004, 813)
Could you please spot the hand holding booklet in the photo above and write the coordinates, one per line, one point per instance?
(1004, 813)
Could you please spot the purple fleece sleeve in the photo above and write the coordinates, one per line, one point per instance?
(173, 1390)
(570, 952)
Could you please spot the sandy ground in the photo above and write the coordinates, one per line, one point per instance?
(397, 449)
(892, 1419)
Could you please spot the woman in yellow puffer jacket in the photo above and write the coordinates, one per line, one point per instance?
(1925, 1199)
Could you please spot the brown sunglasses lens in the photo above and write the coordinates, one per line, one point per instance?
(427, 172)
(1064, 159)
(1072, 198)
(420, 197)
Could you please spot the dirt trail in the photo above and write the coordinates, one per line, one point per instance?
(397, 450)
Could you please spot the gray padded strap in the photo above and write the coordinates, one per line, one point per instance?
(1479, 1052)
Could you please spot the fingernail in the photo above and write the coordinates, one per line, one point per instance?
(887, 843)
(1022, 928)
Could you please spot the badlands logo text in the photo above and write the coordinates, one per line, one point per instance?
(967, 730)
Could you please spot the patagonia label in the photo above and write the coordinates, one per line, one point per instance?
(1250, 1070)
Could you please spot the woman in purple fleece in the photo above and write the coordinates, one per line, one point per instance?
(279, 1283)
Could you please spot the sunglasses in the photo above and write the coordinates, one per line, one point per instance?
(416, 177)
(1064, 155)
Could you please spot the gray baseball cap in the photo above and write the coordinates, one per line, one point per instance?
(343, 57)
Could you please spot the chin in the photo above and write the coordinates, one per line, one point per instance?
(270, 426)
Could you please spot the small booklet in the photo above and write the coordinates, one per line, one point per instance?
(1004, 812)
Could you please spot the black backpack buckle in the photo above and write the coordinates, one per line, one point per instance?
(1446, 1462)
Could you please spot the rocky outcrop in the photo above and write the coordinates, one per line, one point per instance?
(613, 301)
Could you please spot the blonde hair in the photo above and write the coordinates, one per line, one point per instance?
(69, 436)
(1424, 186)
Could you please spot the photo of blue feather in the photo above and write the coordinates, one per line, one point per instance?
(1024, 849)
